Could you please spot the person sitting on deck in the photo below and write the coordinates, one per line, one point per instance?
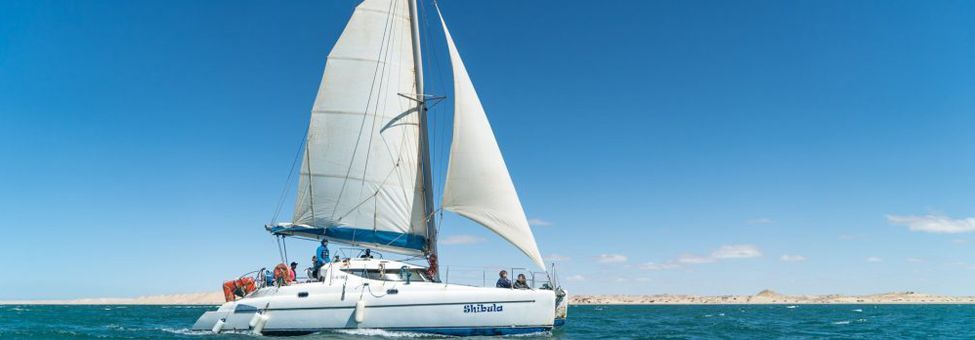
(367, 255)
(322, 253)
(521, 282)
(503, 281)
(336, 259)
(294, 267)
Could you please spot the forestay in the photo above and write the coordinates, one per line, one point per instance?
(478, 185)
(359, 170)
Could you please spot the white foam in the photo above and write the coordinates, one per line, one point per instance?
(383, 333)
(858, 310)
(792, 307)
(186, 331)
(847, 322)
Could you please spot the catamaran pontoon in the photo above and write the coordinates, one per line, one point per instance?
(366, 181)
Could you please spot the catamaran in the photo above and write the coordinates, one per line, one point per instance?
(365, 180)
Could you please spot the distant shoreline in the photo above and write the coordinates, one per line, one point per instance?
(765, 297)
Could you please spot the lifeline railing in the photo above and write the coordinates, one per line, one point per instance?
(488, 276)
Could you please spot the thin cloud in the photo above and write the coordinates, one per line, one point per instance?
(557, 258)
(736, 251)
(792, 258)
(537, 222)
(694, 259)
(658, 266)
(726, 252)
(760, 220)
(461, 239)
(576, 278)
(914, 260)
(934, 223)
(611, 258)
(874, 259)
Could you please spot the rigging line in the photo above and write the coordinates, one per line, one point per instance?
(382, 100)
(372, 88)
(443, 147)
(374, 194)
(285, 243)
(277, 239)
(287, 182)
(311, 179)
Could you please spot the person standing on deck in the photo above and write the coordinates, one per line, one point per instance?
(322, 256)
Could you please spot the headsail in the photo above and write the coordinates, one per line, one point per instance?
(359, 178)
(478, 185)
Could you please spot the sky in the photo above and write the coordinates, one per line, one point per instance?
(698, 147)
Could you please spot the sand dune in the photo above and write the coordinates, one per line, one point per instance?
(763, 297)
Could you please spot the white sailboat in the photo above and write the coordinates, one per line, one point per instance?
(366, 181)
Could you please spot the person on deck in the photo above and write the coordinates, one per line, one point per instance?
(294, 267)
(313, 271)
(367, 255)
(336, 259)
(503, 281)
(521, 282)
(322, 254)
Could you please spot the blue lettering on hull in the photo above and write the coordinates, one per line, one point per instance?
(482, 308)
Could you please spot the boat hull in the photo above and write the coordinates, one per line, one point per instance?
(422, 307)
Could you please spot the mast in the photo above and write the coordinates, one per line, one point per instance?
(425, 167)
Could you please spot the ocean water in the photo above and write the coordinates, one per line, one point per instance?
(585, 322)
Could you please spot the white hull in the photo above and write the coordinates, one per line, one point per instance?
(426, 307)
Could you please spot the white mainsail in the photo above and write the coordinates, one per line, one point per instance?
(359, 175)
(478, 185)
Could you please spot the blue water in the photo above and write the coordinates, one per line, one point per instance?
(585, 322)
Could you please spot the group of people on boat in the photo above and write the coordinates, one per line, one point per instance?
(284, 275)
(504, 282)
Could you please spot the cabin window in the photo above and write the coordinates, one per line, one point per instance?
(416, 275)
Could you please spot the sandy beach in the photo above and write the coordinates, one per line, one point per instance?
(763, 297)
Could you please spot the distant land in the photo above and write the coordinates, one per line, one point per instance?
(763, 297)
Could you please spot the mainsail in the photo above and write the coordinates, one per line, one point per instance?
(366, 160)
(359, 178)
(478, 185)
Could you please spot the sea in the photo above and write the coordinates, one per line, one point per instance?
(585, 322)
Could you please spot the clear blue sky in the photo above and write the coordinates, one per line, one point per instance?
(670, 147)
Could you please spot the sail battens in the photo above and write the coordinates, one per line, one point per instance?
(478, 185)
(364, 178)
(360, 168)
(364, 60)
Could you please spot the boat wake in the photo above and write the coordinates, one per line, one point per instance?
(187, 331)
(372, 332)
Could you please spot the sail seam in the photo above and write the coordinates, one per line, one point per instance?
(372, 90)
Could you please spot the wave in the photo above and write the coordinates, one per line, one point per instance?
(385, 333)
(185, 331)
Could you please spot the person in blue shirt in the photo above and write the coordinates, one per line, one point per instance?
(503, 281)
(321, 256)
